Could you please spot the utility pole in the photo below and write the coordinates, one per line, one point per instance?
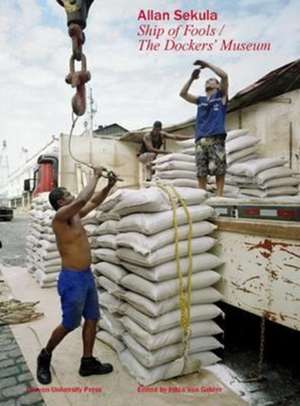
(4, 165)
(92, 110)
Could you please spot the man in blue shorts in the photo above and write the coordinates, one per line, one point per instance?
(210, 125)
(76, 284)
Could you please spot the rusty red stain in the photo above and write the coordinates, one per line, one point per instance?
(290, 252)
(245, 290)
(266, 247)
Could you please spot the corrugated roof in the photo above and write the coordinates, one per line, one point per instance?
(275, 83)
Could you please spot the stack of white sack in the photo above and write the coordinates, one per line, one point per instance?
(248, 175)
(108, 272)
(240, 146)
(263, 178)
(43, 258)
(150, 288)
(180, 169)
(177, 169)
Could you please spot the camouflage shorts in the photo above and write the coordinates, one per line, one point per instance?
(211, 156)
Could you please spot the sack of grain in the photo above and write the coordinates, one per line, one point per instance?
(168, 337)
(158, 308)
(144, 245)
(166, 271)
(158, 291)
(148, 224)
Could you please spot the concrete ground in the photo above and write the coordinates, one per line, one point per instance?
(116, 389)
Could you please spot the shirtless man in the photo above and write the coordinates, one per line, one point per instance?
(76, 285)
(151, 147)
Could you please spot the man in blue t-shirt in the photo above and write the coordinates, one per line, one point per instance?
(210, 125)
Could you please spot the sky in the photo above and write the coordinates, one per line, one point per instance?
(130, 87)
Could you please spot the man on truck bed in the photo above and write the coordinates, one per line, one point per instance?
(76, 285)
(151, 144)
(210, 125)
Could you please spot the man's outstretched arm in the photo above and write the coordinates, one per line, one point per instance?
(184, 93)
(177, 137)
(67, 212)
(218, 71)
(98, 197)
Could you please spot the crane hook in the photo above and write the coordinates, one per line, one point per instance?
(77, 11)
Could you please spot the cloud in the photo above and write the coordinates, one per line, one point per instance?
(130, 87)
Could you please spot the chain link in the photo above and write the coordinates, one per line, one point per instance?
(261, 346)
(77, 78)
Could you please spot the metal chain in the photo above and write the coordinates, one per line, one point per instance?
(261, 346)
(77, 78)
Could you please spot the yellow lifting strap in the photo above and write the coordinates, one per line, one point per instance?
(185, 292)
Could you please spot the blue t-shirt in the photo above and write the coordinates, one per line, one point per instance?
(211, 115)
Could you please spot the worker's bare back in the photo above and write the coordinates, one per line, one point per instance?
(72, 243)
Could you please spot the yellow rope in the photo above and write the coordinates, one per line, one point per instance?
(184, 292)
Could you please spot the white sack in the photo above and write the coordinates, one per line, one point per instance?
(111, 271)
(107, 241)
(106, 216)
(111, 341)
(275, 191)
(252, 168)
(142, 201)
(155, 309)
(48, 246)
(110, 287)
(286, 181)
(150, 223)
(158, 291)
(108, 227)
(148, 376)
(111, 303)
(154, 199)
(176, 165)
(91, 229)
(189, 151)
(146, 245)
(172, 336)
(110, 202)
(176, 174)
(186, 183)
(201, 262)
(240, 143)
(232, 134)
(167, 253)
(40, 276)
(112, 324)
(174, 157)
(243, 154)
(273, 173)
(107, 255)
(150, 359)
(170, 320)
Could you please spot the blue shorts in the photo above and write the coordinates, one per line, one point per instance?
(79, 297)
